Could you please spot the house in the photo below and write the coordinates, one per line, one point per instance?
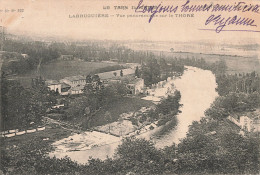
(246, 123)
(136, 86)
(65, 89)
(73, 84)
(66, 57)
(256, 124)
(77, 90)
(250, 124)
(74, 81)
(53, 85)
(25, 56)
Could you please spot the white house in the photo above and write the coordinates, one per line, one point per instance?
(246, 123)
(53, 85)
(256, 124)
(74, 81)
(137, 85)
(77, 89)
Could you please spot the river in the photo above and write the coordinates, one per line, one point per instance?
(197, 88)
(198, 91)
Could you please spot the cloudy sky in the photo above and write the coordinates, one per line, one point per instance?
(55, 18)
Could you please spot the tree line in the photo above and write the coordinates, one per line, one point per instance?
(24, 108)
(246, 83)
(202, 152)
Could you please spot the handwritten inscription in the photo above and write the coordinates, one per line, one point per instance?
(222, 22)
(217, 20)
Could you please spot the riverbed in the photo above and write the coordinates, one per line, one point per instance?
(197, 88)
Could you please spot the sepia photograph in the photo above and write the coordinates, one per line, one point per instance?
(129, 87)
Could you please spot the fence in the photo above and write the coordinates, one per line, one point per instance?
(16, 132)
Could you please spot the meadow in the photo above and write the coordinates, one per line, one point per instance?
(59, 69)
(235, 63)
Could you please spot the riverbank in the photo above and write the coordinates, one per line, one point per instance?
(197, 88)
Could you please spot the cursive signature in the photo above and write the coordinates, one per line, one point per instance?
(235, 20)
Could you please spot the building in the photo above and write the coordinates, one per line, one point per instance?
(25, 56)
(136, 86)
(73, 84)
(65, 89)
(256, 124)
(74, 81)
(77, 90)
(66, 57)
(53, 85)
(246, 123)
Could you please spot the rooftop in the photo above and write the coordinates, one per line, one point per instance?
(77, 88)
(51, 82)
(64, 85)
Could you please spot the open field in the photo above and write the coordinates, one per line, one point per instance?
(235, 63)
(239, 57)
(59, 69)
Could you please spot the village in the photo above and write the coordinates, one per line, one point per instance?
(74, 87)
(83, 103)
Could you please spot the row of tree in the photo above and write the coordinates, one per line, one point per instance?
(23, 108)
(157, 69)
(246, 83)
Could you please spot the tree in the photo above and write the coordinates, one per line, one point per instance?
(32, 158)
(151, 72)
(213, 148)
(121, 73)
(137, 72)
(140, 156)
(115, 74)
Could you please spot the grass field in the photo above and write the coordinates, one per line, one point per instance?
(59, 69)
(236, 64)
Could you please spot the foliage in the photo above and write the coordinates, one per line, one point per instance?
(24, 106)
(151, 72)
(31, 158)
(209, 148)
(137, 72)
(37, 52)
(168, 124)
(140, 156)
(233, 103)
(170, 105)
(246, 83)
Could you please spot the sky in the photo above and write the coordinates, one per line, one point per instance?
(55, 18)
